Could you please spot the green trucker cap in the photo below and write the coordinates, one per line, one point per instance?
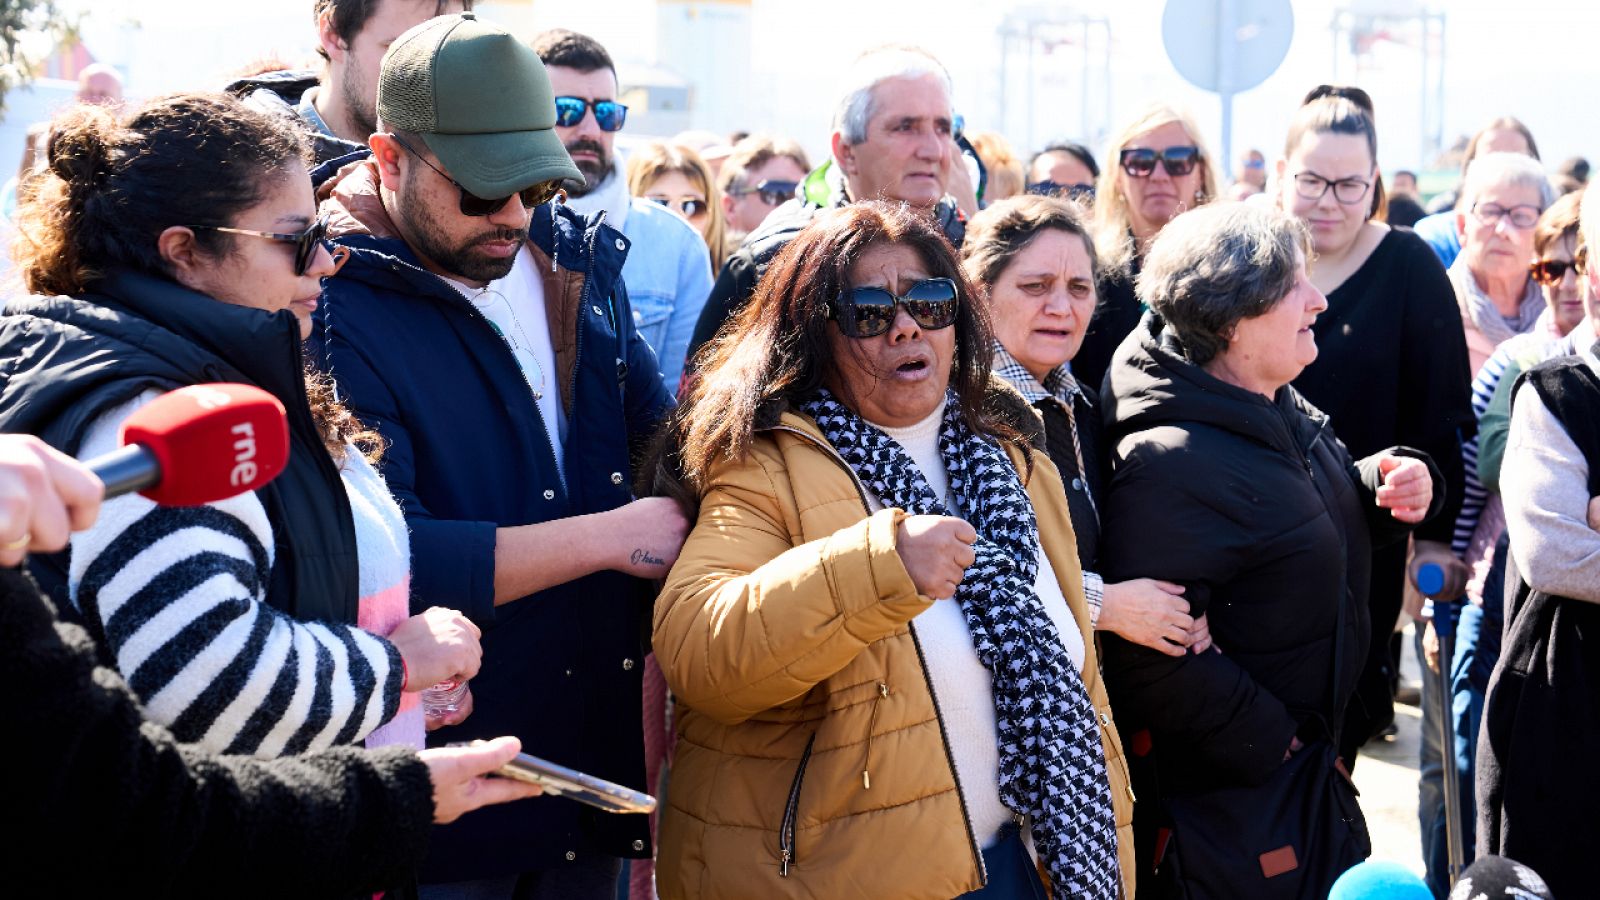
(480, 99)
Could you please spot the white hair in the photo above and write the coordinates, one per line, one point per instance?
(872, 69)
(1493, 170)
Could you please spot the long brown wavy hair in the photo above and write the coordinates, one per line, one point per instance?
(776, 347)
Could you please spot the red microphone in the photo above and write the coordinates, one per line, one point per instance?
(197, 445)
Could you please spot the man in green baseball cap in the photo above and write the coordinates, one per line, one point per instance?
(482, 328)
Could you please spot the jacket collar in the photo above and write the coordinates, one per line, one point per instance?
(1152, 382)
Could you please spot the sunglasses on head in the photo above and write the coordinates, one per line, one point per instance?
(305, 242)
(772, 192)
(689, 206)
(1549, 272)
(864, 312)
(473, 205)
(608, 114)
(1139, 162)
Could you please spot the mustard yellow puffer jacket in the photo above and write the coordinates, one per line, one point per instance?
(811, 758)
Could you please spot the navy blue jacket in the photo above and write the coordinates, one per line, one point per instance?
(468, 454)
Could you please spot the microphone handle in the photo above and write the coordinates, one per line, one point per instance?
(127, 469)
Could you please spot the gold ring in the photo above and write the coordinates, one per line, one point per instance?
(20, 543)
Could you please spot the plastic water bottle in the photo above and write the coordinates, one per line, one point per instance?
(443, 699)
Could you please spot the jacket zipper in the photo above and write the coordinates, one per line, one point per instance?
(922, 660)
(944, 737)
(872, 723)
(787, 854)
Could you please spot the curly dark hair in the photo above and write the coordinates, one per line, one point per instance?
(113, 186)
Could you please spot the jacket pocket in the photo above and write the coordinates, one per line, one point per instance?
(787, 854)
(650, 314)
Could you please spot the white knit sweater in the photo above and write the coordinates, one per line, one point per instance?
(177, 595)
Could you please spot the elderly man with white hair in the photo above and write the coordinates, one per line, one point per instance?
(893, 139)
(1537, 778)
(1502, 198)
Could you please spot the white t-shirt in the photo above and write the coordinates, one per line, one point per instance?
(962, 686)
(515, 306)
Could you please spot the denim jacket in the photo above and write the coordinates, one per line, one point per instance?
(668, 272)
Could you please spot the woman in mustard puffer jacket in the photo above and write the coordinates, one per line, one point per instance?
(876, 631)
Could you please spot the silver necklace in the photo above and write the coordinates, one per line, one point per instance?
(521, 347)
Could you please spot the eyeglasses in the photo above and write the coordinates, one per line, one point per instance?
(1348, 191)
(473, 205)
(608, 114)
(689, 206)
(305, 242)
(1523, 216)
(864, 312)
(1080, 192)
(1139, 162)
(1549, 272)
(772, 192)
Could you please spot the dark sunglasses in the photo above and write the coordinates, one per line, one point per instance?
(305, 242)
(1139, 162)
(473, 205)
(689, 206)
(1080, 192)
(608, 114)
(864, 312)
(1549, 272)
(772, 192)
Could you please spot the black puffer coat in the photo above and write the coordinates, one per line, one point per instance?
(1257, 509)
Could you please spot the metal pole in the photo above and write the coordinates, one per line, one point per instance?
(1431, 581)
(1227, 27)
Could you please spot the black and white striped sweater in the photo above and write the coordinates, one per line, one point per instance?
(178, 597)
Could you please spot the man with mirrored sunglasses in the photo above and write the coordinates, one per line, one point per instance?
(894, 134)
(488, 336)
(668, 269)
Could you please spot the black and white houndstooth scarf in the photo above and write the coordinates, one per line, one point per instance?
(1052, 766)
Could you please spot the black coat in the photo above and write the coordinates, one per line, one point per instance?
(1257, 509)
(107, 804)
(71, 359)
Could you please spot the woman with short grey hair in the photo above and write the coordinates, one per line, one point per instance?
(1501, 200)
(1228, 483)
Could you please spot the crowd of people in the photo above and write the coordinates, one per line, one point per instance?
(930, 522)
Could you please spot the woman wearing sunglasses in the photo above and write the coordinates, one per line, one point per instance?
(177, 247)
(1227, 482)
(1157, 168)
(876, 631)
(675, 176)
(1391, 362)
